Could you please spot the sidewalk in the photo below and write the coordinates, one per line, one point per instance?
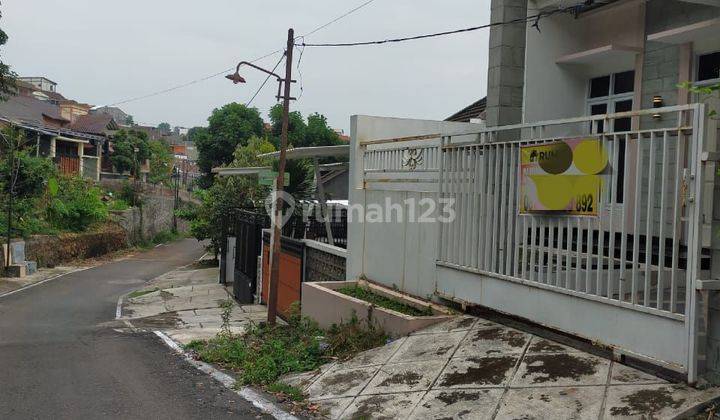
(11, 284)
(471, 368)
(185, 305)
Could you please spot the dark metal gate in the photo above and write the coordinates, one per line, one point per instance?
(247, 229)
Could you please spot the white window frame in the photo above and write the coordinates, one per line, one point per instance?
(696, 69)
(610, 99)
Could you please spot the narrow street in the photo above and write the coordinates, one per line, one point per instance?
(59, 360)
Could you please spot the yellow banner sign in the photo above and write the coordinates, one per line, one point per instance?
(562, 177)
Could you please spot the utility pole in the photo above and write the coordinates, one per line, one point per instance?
(280, 183)
(11, 189)
(275, 238)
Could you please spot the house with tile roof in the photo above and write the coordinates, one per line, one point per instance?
(59, 128)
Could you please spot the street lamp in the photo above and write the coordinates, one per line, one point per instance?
(279, 183)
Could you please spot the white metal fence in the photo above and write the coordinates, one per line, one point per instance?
(634, 253)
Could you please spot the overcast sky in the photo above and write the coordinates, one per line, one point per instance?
(101, 52)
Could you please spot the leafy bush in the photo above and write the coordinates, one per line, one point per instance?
(77, 205)
(265, 353)
(118, 205)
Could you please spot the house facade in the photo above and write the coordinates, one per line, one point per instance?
(631, 267)
(59, 127)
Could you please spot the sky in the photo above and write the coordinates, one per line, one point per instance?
(103, 52)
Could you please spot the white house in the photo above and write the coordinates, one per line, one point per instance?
(637, 271)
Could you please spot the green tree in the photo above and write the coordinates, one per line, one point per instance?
(7, 76)
(130, 149)
(28, 177)
(232, 125)
(314, 132)
(161, 162)
(164, 127)
(229, 193)
(129, 120)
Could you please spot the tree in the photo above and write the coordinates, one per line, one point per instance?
(314, 132)
(229, 193)
(130, 149)
(164, 127)
(228, 127)
(7, 76)
(161, 162)
(129, 120)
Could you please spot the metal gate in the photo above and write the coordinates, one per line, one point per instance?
(625, 277)
(247, 229)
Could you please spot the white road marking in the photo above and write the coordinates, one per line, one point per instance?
(30, 286)
(118, 308)
(246, 393)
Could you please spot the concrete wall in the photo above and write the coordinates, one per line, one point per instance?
(153, 217)
(397, 255)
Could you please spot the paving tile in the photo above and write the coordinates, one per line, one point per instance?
(376, 356)
(483, 323)
(341, 383)
(492, 341)
(552, 403)
(476, 404)
(405, 377)
(300, 380)
(387, 406)
(334, 407)
(477, 372)
(561, 369)
(626, 375)
(540, 345)
(460, 323)
(254, 308)
(428, 347)
(653, 401)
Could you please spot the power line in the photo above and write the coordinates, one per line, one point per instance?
(536, 18)
(184, 85)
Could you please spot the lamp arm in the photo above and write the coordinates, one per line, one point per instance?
(247, 63)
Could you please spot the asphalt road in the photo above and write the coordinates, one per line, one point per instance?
(58, 360)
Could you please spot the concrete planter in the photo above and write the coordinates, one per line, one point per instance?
(321, 302)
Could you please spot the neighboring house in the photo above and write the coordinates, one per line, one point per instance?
(638, 271)
(117, 114)
(335, 180)
(473, 113)
(42, 83)
(74, 152)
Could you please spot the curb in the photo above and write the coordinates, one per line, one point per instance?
(247, 393)
(30, 286)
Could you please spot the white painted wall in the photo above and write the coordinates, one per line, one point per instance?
(556, 91)
(399, 255)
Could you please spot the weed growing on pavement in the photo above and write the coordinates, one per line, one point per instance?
(288, 391)
(227, 307)
(265, 353)
(139, 293)
(364, 293)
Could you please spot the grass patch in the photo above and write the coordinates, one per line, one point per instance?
(381, 301)
(265, 353)
(288, 391)
(118, 205)
(139, 293)
(159, 238)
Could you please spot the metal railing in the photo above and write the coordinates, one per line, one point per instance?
(634, 253)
